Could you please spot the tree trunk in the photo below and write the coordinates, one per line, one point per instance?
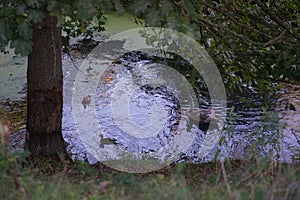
(45, 92)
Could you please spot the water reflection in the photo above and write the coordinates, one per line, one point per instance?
(250, 131)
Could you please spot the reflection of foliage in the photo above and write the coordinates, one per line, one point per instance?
(251, 42)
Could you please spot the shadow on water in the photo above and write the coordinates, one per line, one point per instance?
(250, 130)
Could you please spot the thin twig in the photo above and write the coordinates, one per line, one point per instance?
(291, 187)
(72, 60)
(225, 178)
(270, 42)
(277, 20)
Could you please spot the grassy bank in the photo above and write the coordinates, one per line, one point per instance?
(49, 179)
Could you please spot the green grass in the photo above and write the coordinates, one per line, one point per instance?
(49, 179)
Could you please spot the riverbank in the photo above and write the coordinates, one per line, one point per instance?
(49, 179)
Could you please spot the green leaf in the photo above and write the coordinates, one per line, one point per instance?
(106, 6)
(25, 31)
(216, 155)
(59, 16)
(21, 9)
(5, 32)
(85, 11)
(259, 195)
(33, 3)
(35, 15)
(21, 46)
(222, 140)
(51, 5)
(5, 11)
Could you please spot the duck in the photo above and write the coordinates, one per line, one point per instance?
(86, 100)
(106, 141)
(204, 116)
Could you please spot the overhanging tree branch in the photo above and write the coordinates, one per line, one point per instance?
(277, 20)
(270, 42)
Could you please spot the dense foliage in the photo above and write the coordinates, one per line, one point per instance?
(18, 17)
(252, 42)
(249, 40)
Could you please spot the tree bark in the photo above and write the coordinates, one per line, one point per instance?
(45, 91)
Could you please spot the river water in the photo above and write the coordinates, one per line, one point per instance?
(249, 130)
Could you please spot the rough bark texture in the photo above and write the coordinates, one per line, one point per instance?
(44, 95)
